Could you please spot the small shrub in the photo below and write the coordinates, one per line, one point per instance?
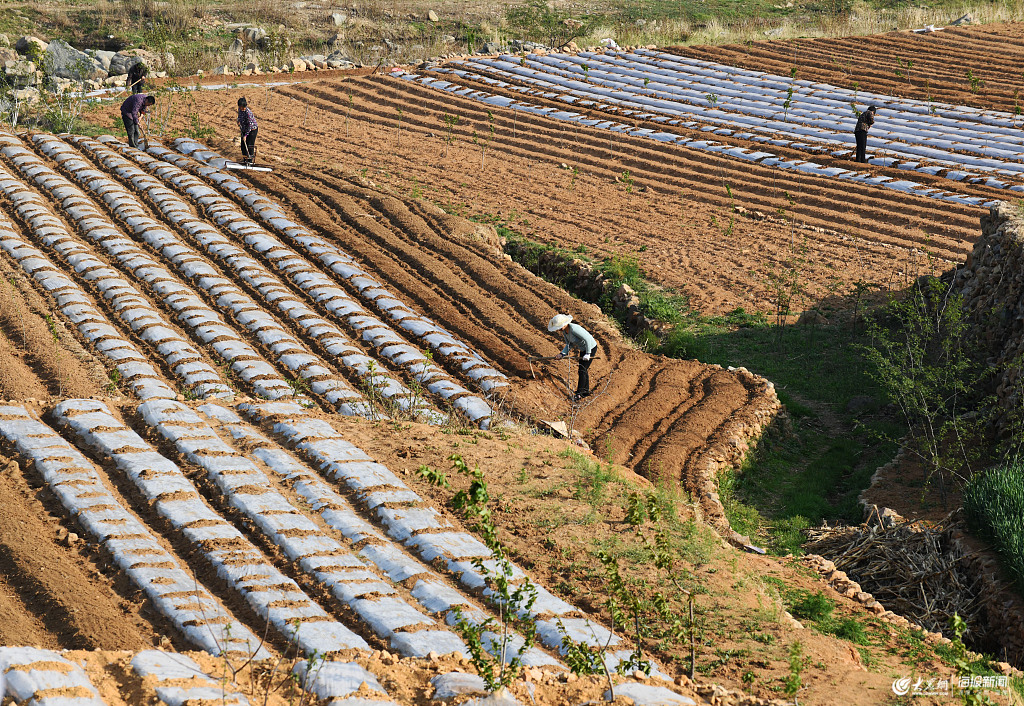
(812, 606)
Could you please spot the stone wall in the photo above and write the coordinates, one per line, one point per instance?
(992, 284)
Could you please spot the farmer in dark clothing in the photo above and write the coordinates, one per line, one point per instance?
(137, 77)
(247, 124)
(864, 122)
(132, 111)
(576, 338)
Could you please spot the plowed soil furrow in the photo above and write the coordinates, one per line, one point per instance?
(501, 313)
(940, 63)
(645, 409)
(69, 603)
(35, 365)
(649, 164)
(944, 247)
(768, 194)
(719, 399)
(17, 379)
(426, 270)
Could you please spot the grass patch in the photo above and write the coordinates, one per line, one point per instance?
(819, 610)
(994, 504)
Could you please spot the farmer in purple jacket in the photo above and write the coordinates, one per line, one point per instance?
(132, 111)
(247, 124)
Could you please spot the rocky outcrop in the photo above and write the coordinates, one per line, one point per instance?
(63, 60)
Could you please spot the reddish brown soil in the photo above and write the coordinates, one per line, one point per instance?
(941, 60)
(33, 364)
(682, 227)
(52, 592)
(649, 413)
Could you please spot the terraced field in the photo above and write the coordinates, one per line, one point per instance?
(222, 499)
(993, 54)
(182, 343)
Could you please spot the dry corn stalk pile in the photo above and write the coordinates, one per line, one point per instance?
(911, 568)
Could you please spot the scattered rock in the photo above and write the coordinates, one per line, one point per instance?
(5, 41)
(295, 65)
(340, 19)
(24, 44)
(501, 697)
(253, 35)
(104, 57)
(27, 96)
(124, 60)
(432, 16)
(811, 317)
(21, 72)
(491, 48)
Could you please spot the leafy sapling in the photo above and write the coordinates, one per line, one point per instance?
(450, 121)
(494, 651)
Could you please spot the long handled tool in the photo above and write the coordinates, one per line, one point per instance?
(534, 358)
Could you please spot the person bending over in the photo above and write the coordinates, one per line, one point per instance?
(247, 124)
(137, 73)
(864, 122)
(576, 338)
(132, 110)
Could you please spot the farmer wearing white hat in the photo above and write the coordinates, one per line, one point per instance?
(576, 338)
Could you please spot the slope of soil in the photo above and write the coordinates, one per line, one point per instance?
(677, 217)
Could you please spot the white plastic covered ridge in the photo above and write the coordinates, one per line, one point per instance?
(173, 591)
(235, 559)
(45, 678)
(344, 266)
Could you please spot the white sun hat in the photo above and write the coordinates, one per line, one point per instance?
(558, 321)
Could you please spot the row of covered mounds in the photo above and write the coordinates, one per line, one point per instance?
(409, 519)
(187, 307)
(286, 349)
(246, 488)
(47, 678)
(679, 86)
(425, 587)
(127, 303)
(178, 680)
(132, 367)
(171, 588)
(225, 295)
(565, 78)
(458, 355)
(274, 597)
